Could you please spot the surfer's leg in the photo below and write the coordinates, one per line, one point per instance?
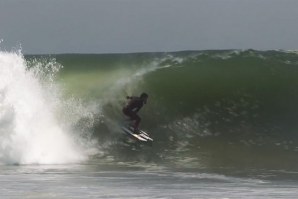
(132, 117)
(137, 122)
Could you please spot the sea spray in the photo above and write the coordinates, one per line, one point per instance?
(30, 131)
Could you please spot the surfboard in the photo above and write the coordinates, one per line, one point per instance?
(145, 135)
(142, 136)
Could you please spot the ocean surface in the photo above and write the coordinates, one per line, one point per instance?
(224, 124)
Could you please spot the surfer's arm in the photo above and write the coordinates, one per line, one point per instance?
(138, 107)
(131, 97)
(137, 110)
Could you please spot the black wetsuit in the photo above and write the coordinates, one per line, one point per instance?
(131, 109)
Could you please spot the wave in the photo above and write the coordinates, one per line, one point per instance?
(204, 106)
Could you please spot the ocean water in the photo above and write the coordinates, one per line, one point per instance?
(223, 122)
(98, 181)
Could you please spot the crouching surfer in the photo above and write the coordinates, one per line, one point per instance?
(132, 108)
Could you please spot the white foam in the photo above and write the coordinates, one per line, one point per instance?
(30, 132)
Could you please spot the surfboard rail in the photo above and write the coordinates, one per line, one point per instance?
(141, 136)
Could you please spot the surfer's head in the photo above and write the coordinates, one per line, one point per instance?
(144, 97)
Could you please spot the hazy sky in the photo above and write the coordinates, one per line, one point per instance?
(105, 26)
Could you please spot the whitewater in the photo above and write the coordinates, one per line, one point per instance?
(30, 130)
(223, 122)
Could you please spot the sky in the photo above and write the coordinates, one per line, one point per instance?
(123, 26)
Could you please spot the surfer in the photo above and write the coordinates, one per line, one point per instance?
(133, 107)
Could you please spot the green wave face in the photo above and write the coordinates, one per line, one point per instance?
(241, 103)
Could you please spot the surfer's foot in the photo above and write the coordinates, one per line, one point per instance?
(134, 130)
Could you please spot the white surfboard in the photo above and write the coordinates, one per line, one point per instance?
(137, 136)
(142, 136)
(145, 135)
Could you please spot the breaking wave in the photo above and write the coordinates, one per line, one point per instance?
(205, 108)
